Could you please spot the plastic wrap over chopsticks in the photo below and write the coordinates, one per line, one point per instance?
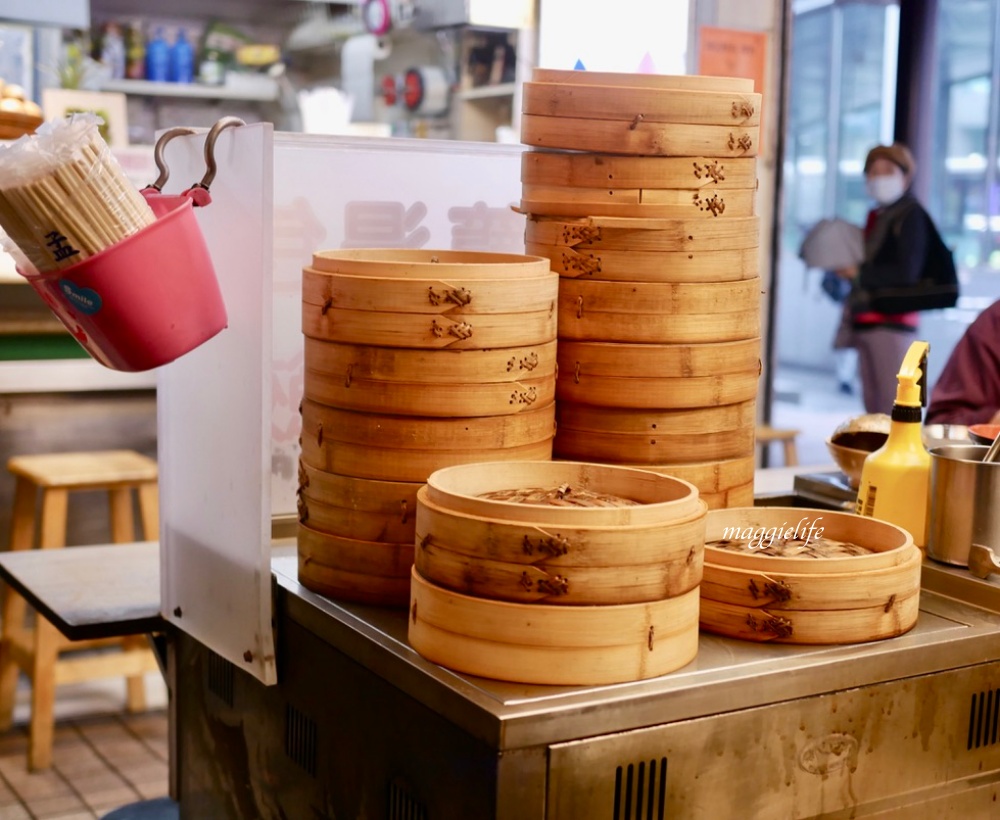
(64, 197)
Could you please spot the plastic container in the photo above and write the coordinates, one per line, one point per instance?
(181, 60)
(113, 51)
(158, 58)
(146, 300)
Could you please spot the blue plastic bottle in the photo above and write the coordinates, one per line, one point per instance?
(182, 60)
(158, 58)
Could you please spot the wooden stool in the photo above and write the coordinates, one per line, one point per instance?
(37, 650)
(765, 435)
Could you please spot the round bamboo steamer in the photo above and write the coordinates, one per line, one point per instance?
(386, 464)
(637, 448)
(429, 332)
(583, 359)
(689, 82)
(659, 312)
(711, 477)
(862, 624)
(651, 393)
(359, 508)
(589, 170)
(673, 105)
(447, 383)
(639, 137)
(742, 496)
(368, 572)
(374, 590)
(348, 363)
(658, 498)
(634, 234)
(694, 421)
(651, 266)
(421, 399)
(553, 645)
(655, 203)
(334, 425)
(421, 263)
(428, 296)
(677, 538)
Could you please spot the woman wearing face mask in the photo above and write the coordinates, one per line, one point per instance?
(896, 242)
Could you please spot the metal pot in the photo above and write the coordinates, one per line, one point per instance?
(964, 502)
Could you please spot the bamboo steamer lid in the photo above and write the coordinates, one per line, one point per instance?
(624, 102)
(461, 489)
(613, 171)
(582, 359)
(693, 82)
(652, 393)
(428, 296)
(638, 448)
(356, 507)
(662, 203)
(429, 332)
(446, 383)
(676, 535)
(334, 425)
(639, 137)
(428, 264)
(637, 234)
(651, 266)
(554, 645)
(659, 312)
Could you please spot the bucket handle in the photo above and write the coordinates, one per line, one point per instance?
(198, 192)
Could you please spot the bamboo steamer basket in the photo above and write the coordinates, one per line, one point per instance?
(653, 437)
(552, 645)
(651, 266)
(652, 393)
(428, 331)
(659, 312)
(358, 508)
(656, 203)
(832, 600)
(565, 565)
(637, 234)
(741, 496)
(398, 263)
(417, 382)
(623, 102)
(639, 137)
(612, 171)
(721, 483)
(691, 82)
(368, 572)
(412, 447)
(461, 488)
(428, 296)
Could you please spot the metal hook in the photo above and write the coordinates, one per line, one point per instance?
(213, 135)
(161, 163)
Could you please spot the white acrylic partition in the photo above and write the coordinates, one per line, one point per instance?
(229, 419)
(214, 418)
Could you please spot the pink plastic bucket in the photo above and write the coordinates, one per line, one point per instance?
(146, 300)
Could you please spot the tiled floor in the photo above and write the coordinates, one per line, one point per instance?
(102, 758)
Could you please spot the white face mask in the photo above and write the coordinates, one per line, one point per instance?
(887, 189)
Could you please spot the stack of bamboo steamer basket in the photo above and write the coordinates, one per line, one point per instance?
(415, 360)
(640, 190)
(557, 572)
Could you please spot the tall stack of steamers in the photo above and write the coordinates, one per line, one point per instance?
(624, 344)
(642, 197)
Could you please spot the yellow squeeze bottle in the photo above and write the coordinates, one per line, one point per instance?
(895, 479)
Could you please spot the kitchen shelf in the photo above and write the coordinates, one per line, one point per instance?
(485, 92)
(256, 92)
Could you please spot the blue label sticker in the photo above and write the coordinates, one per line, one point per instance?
(83, 299)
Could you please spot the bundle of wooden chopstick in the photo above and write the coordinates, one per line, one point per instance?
(64, 197)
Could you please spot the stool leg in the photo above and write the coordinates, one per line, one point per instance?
(43, 695)
(122, 520)
(791, 454)
(55, 502)
(22, 537)
(149, 510)
(135, 685)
